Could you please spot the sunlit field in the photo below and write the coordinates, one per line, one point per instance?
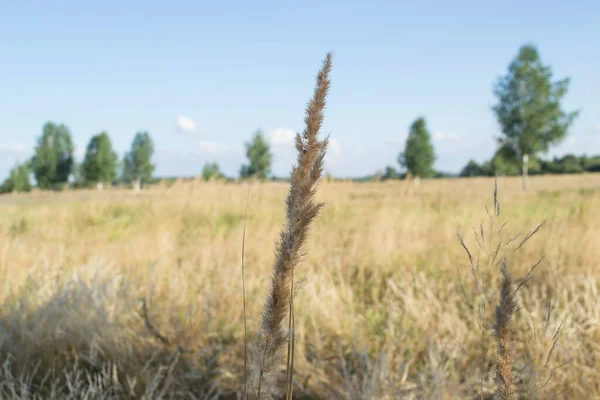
(115, 294)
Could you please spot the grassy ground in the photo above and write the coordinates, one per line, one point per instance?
(381, 313)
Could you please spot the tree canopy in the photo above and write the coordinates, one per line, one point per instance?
(390, 173)
(211, 171)
(100, 163)
(568, 164)
(418, 156)
(472, 169)
(259, 157)
(529, 106)
(18, 180)
(52, 162)
(137, 163)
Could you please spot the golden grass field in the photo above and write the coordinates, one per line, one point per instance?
(380, 314)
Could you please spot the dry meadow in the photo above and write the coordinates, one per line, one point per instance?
(110, 295)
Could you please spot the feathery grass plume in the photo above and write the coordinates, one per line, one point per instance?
(482, 274)
(301, 210)
(506, 388)
(493, 249)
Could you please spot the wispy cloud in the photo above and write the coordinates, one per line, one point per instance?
(221, 149)
(209, 146)
(334, 148)
(281, 136)
(443, 135)
(598, 129)
(16, 148)
(79, 152)
(185, 125)
(282, 146)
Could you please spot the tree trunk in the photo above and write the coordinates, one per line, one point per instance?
(137, 184)
(378, 176)
(99, 186)
(525, 169)
(417, 181)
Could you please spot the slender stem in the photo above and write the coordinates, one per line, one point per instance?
(244, 302)
(259, 386)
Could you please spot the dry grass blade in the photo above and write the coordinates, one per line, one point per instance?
(245, 393)
(506, 388)
(301, 211)
(464, 246)
(150, 326)
(528, 236)
(549, 309)
(529, 275)
(496, 202)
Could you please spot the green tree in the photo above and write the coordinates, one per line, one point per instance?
(529, 107)
(18, 180)
(137, 163)
(390, 173)
(472, 169)
(53, 159)
(259, 156)
(591, 164)
(571, 164)
(211, 171)
(418, 155)
(100, 162)
(505, 162)
(552, 166)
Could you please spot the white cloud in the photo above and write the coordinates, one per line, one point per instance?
(12, 147)
(208, 146)
(443, 135)
(185, 125)
(334, 147)
(281, 137)
(79, 152)
(598, 129)
(282, 141)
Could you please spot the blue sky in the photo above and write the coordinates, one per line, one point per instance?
(230, 67)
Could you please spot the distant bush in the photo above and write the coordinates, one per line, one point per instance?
(18, 180)
(503, 164)
(211, 171)
(472, 169)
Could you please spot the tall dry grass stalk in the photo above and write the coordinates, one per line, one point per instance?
(506, 388)
(301, 211)
(245, 392)
(497, 249)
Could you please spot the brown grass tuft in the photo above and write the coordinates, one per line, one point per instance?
(301, 211)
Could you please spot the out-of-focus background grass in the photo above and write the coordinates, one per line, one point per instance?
(381, 310)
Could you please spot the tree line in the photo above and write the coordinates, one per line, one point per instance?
(53, 164)
(531, 118)
(54, 167)
(528, 111)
